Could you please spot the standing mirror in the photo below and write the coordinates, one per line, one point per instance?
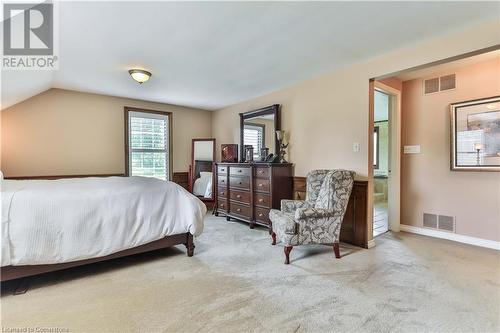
(201, 171)
(258, 130)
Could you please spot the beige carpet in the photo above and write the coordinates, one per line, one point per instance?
(236, 282)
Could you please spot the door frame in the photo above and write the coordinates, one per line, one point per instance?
(394, 178)
(371, 90)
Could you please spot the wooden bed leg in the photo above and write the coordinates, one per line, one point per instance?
(189, 245)
(22, 287)
(336, 249)
(288, 249)
(273, 235)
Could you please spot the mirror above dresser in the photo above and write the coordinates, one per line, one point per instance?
(248, 190)
(258, 131)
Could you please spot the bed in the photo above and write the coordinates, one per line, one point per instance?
(49, 225)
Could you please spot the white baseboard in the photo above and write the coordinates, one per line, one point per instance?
(451, 236)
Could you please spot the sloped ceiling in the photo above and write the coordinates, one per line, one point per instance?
(213, 54)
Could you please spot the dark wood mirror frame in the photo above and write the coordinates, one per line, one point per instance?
(272, 109)
(193, 172)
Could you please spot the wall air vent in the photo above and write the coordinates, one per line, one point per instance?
(431, 86)
(430, 221)
(446, 223)
(437, 84)
(447, 82)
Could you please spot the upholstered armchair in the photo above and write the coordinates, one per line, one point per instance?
(316, 220)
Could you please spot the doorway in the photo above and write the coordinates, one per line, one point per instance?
(386, 148)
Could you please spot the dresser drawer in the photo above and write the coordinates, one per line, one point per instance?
(237, 171)
(261, 185)
(222, 182)
(240, 196)
(262, 215)
(262, 172)
(239, 182)
(222, 204)
(221, 170)
(261, 199)
(241, 210)
(222, 192)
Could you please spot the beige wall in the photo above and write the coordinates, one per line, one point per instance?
(427, 184)
(62, 132)
(326, 115)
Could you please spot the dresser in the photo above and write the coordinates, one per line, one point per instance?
(248, 191)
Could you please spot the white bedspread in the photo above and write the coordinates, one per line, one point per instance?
(55, 221)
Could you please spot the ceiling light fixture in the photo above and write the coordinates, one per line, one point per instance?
(139, 75)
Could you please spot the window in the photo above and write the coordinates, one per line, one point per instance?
(254, 135)
(147, 143)
(375, 147)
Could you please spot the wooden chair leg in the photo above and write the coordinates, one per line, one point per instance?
(336, 249)
(288, 249)
(273, 235)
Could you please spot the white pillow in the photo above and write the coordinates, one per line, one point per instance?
(205, 174)
(200, 186)
(208, 192)
(203, 186)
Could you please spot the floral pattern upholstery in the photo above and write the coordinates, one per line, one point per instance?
(316, 220)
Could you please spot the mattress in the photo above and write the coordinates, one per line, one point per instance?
(57, 221)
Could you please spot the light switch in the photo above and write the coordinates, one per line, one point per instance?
(411, 149)
(355, 147)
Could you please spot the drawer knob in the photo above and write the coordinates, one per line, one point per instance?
(238, 209)
(261, 171)
(261, 200)
(260, 185)
(240, 183)
(222, 193)
(222, 205)
(239, 170)
(238, 196)
(260, 215)
(222, 181)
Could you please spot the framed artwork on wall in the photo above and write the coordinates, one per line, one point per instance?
(475, 135)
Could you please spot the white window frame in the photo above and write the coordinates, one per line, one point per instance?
(132, 112)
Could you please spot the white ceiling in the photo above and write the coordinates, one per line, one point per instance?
(213, 54)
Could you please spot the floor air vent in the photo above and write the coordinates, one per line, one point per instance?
(446, 223)
(430, 220)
